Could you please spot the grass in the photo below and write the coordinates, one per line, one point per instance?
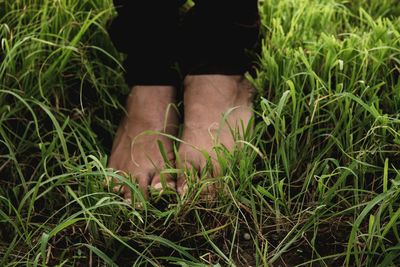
(316, 183)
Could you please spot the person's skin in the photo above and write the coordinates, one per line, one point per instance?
(214, 106)
(207, 99)
(135, 151)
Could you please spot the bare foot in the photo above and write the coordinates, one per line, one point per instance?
(214, 106)
(149, 108)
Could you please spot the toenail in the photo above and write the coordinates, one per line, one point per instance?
(117, 189)
(106, 181)
(158, 186)
(122, 173)
(183, 190)
(138, 205)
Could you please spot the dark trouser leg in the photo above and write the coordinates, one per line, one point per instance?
(147, 31)
(216, 35)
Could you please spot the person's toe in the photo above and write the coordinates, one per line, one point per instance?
(162, 181)
(189, 170)
(120, 189)
(181, 185)
(199, 169)
(128, 196)
(125, 190)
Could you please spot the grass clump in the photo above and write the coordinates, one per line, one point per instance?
(317, 182)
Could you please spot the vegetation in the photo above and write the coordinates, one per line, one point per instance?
(316, 183)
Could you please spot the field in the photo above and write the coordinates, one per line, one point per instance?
(316, 183)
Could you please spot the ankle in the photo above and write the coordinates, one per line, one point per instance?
(151, 95)
(152, 108)
(218, 90)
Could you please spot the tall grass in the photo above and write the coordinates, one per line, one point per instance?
(316, 182)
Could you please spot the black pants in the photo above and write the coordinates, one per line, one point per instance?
(211, 38)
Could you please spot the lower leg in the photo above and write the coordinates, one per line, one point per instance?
(146, 31)
(217, 97)
(216, 35)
